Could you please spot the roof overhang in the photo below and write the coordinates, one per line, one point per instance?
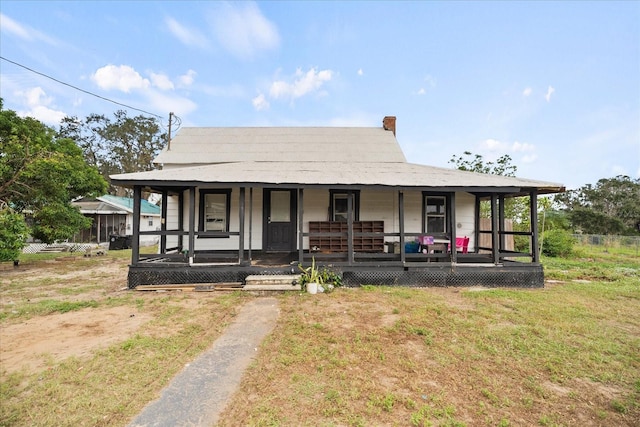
(332, 175)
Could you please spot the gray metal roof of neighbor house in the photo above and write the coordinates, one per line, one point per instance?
(114, 205)
(307, 156)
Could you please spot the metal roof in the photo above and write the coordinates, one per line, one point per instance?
(112, 205)
(307, 156)
(281, 144)
(401, 174)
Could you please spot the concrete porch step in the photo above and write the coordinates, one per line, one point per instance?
(285, 282)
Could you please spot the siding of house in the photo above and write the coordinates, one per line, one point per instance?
(172, 220)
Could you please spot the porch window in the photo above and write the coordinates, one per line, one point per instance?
(435, 214)
(214, 210)
(339, 203)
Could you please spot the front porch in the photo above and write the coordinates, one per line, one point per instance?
(362, 252)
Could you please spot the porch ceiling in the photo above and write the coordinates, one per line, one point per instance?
(296, 174)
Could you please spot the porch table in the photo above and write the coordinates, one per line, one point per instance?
(438, 246)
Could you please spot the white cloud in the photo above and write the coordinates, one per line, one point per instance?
(495, 148)
(550, 91)
(122, 77)
(36, 96)
(260, 103)
(46, 115)
(187, 36)
(242, 30)
(9, 26)
(527, 91)
(303, 84)
(188, 78)
(514, 147)
(522, 147)
(161, 81)
(431, 82)
(493, 145)
(38, 103)
(360, 72)
(161, 102)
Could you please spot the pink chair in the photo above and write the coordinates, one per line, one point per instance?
(462, 244)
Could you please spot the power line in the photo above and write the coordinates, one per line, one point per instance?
(77, 88)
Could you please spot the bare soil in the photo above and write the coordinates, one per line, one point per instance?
(30, 344)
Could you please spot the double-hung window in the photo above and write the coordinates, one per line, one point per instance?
(214, 210)
(339, 204)
(435, 214)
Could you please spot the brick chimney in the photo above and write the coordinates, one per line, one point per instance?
(389, 123)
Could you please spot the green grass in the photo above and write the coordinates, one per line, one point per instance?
(112, 385)
(368, 356)
(399, 356)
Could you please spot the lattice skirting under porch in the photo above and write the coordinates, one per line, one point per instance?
(517, 275)
(529, 276)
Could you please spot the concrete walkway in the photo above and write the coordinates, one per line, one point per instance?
(197, 395)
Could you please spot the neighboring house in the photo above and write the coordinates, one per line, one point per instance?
(113, 215)
(240, 201)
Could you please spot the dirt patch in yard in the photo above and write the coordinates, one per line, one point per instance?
(37, 341)
(32, 343)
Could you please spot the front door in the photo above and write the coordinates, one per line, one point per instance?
(279, 220)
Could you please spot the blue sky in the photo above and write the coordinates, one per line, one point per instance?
(556, 85)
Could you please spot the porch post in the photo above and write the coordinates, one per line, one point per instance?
(135, 241)
(501, 221)
(495, 240)
(350, 256)
(477, 233)
(180, 220)
(401, 224)
(452, 225)
(250, 221)
(300, 225)
(163, 221)
(192, 222)
(99, 224)
(241, 212)
(533, 210)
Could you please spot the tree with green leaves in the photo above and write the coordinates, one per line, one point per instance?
(517, 208)
(475, 163)
(13, 234)
(120, 145)
(40, 174)
(611, 206)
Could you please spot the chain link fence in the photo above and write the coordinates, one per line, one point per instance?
(609, 241)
